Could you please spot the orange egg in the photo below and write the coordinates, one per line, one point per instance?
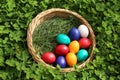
(74, 46)
(71, 59)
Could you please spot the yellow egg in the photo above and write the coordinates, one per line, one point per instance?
(71, 59)
(74, 46)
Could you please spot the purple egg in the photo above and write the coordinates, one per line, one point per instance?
(61, 61)
(74, 34)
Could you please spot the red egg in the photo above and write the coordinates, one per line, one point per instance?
(85, 43)
(61, 49)
(48, 57)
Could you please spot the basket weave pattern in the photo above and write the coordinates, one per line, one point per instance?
(48, 14)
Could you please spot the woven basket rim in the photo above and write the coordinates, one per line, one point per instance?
(41, 17)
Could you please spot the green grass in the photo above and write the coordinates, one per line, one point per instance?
(17, 64)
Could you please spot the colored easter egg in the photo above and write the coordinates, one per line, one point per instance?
(74, 34)
(74, 46)
(61, 49)
(63, 39)
(71, 59)
(61, 61)
(85, 43)
(84, 32)
(82, 55)
(48, 57)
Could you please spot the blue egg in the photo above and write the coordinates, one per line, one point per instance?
(61, 61)
(82, 55)
(74, 34)
(63, 39)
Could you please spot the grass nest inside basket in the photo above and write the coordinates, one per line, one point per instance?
(42, 32)
(44, 36)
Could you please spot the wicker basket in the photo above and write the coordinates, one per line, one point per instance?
(45, 15)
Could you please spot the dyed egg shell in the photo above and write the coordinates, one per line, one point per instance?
(84, 32)
(74, 46)
(61, 61)
(71, 59)
(74, 34)
(61, 49)
(63, 39)
(48, 57)
(85, 43)
(82, 55)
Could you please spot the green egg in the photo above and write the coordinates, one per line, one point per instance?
(82, 55)
(63, 39)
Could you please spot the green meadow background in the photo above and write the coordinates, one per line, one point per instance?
(17, 64)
